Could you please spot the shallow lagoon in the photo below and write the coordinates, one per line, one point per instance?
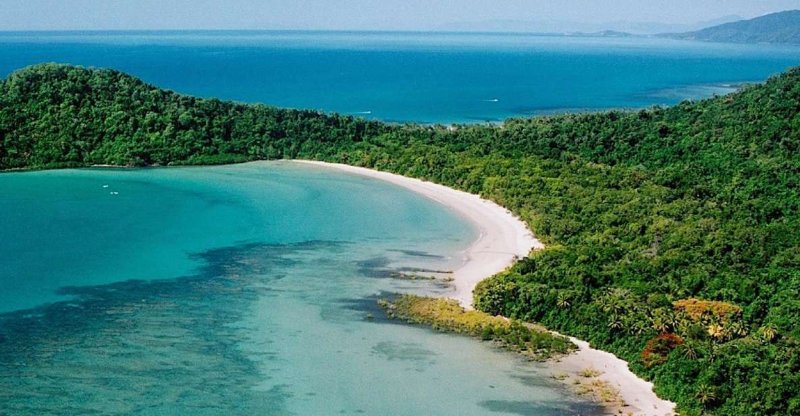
(245, 289)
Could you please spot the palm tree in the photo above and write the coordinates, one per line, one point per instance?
(615, 301)
(615, 322)
(768, 333)
(689, 350)
(563, 301)
(639, 327)
(660, 325)
(683, 324)
(706, 394)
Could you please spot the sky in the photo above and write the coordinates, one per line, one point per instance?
(367, 14)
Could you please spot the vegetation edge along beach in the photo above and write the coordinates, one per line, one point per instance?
(673, 234)
(503, 239)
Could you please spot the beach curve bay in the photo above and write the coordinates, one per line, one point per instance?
(237, 289)
(504, 238)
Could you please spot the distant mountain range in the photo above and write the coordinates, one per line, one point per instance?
(561, 27)
(782, 27)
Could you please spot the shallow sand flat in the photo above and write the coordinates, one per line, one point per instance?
(504, 238)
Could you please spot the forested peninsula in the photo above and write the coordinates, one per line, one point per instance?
(673, 234)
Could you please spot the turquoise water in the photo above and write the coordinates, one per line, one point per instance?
(238, 290)
(422, 77)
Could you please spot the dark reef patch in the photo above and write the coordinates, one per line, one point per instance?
(152, 346)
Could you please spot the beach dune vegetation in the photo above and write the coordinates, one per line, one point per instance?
(448, 316)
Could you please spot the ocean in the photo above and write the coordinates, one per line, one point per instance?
(413, 77)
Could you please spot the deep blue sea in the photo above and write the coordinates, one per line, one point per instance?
(420, 77)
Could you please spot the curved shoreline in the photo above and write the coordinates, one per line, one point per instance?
(502, 240)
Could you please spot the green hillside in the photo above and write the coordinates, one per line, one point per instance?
(673, 233)
(781, 27)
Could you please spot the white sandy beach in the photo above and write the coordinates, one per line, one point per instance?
(504, 238)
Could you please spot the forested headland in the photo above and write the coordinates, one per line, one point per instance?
(673, 234)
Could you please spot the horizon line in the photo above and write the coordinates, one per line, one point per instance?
(408, 31)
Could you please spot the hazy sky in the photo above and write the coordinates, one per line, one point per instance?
(357, 14)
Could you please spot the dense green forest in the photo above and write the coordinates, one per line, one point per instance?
(673, 233)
